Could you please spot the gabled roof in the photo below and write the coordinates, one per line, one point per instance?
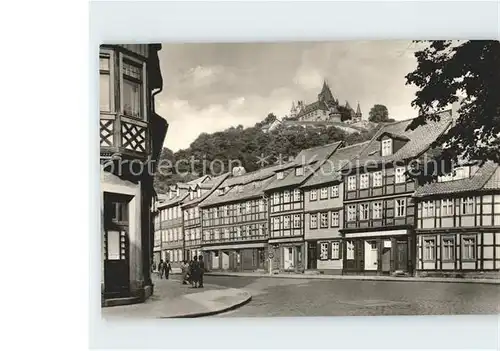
(183, 193)
(419, 140)
(330, 170)
(317, 105)
(311, 159)
(210, 186)
(248, 191)
(480, 180)
(393, 136)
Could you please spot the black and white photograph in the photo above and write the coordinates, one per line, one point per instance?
(299, 179)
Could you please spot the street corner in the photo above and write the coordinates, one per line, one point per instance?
(209, 302)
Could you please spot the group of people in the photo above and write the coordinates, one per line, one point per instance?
(193, 271)
(164, 268)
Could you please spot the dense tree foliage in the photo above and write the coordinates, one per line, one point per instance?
(379, 113)
(467, 73)
(215, 153)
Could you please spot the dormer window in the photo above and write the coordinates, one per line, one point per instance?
(199, 192)
(177, 192)
(456, 174)
(240, 188)
(220, 192)
(280, 175)
(299, 171)
(191, 195)
(386, 147)
(170, 194)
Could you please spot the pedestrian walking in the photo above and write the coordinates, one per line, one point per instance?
(202, 271)
(190, 272)
(184, 272)
(160, 269)
(167, 267)
(153, 266)
(195, 272)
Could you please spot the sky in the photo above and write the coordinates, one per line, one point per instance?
(211, 87)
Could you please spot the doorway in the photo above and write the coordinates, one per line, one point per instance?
(312, 262)
(402, 255)
(371, 255)
(116, 245)
(288, 258)
(386, 256)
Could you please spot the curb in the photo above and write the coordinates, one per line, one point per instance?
(367, 278)
(214, 312)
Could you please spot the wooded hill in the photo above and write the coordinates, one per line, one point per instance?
(245, 145)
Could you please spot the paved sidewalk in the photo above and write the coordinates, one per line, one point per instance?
(358, 277)
(171, 299)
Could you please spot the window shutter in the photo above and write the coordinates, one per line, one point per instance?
(318, 250)
(340, 249)
(330, 250)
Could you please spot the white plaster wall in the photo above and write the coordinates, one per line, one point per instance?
(113, 184)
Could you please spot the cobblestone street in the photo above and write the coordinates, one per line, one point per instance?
(308, 297)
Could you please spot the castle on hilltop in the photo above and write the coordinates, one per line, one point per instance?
(325, 109)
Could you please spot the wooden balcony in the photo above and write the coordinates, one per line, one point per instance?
(123, 135)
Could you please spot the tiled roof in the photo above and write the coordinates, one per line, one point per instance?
(248, 190)
(183, 193)
(330, 170)
(476, 182)
(311, 158)
(210, 185)
(317, 105)
(419, 140)
(259, 174)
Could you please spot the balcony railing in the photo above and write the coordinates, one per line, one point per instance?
(124, 135)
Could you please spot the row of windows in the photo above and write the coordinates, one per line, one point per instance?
(286, 222)
(169, 235)
(362, 211)
(191, 213)
(324, 219)
(330, 250)
(467, 207)
(174, 255)
(333, 192)
(235, 232)
(250, 207)
(468, 250)
(131, 83)
(286, 197)
(170, 213)
(192, 234)
(376, 179)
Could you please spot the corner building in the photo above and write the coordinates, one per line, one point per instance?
(131, 138)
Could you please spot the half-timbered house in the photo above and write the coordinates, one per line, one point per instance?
(286, 216)
(323, 211)
(192, 217)
(131, 138)
(379, 211)
(172, 230)
(458, 223)
(235, 223)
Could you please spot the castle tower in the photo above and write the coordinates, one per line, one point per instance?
(335, 115)
(293, 110)
(326, 93)
(358, 114)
